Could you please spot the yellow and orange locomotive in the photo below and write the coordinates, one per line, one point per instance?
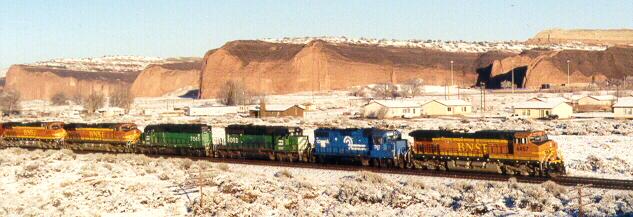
(509, 152)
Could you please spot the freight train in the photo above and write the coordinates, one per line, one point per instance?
(527, 153)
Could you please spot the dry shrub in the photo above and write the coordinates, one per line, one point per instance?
(65, 183)
(224, 167)
(164, 176)
(415, 184)
(370, 177)
(185, 164)
(512, 183)
(110, 158)
(94, 102)
(553, 188)
(88, 170)
(32, 169)
(283, 173)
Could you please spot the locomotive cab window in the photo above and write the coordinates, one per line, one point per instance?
(539, 139)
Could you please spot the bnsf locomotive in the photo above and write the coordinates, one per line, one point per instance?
(509, 152)
(528, 153)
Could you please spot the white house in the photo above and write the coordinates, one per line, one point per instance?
(447, 107)
(603, 100)
(594, 103)
(623, 108)
(538, 109)
(392, 109)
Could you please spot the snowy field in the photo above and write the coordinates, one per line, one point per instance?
(62, 183)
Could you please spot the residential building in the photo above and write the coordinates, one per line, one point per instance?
(392, 109)
(594, 103)
(623, 108)
(447, 107)
(277, 111)
(538, 109)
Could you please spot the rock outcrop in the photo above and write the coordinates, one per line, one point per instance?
(160, 79)
(534, 68)
(278, 68)
(34, 82)
(587, 36)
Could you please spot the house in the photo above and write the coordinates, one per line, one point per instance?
(277, 111)
(392, 109)
(447, 107)
(623, 108)
(594, 103)
(531, 109)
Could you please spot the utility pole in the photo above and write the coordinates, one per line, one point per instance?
(580, 196)
(452, 83)
(512, 77)
(568, 75)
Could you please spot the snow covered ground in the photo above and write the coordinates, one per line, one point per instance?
(450, 46)
(62, 183)
(105, 63)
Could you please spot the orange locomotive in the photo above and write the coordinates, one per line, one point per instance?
(509, 152)
(111, 137)
(33, 135)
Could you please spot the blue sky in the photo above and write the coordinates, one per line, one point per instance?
(39, 30)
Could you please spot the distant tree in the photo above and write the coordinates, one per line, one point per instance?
(415, 86)
(94, 102)
(59, 99)
(386, 91)
(10, 101)
(235, 93)
(121, 98)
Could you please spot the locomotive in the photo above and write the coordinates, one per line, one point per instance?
(527, 153)
(508, 152)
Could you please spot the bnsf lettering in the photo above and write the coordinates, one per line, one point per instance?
(472, 147)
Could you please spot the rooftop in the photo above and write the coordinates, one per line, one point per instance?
(604, 97)
(550, 99)
(397, 103)
(537, 105)
(624, 102)
(452, 102)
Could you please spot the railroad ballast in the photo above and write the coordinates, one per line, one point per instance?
(527, 153)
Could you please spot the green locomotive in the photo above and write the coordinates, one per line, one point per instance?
(271, 142)
(177, 139)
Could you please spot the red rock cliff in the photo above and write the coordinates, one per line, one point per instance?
(160, 79)
(278, 68)
(550, 67)
(42, 83)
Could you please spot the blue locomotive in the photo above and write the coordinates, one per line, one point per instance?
(366, 145)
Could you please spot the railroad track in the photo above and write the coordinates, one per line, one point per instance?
(616, 184)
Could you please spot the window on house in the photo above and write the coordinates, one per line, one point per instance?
(546, 112)
(528, 112)
(464, 109)
(523, 112)
(449, 109)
